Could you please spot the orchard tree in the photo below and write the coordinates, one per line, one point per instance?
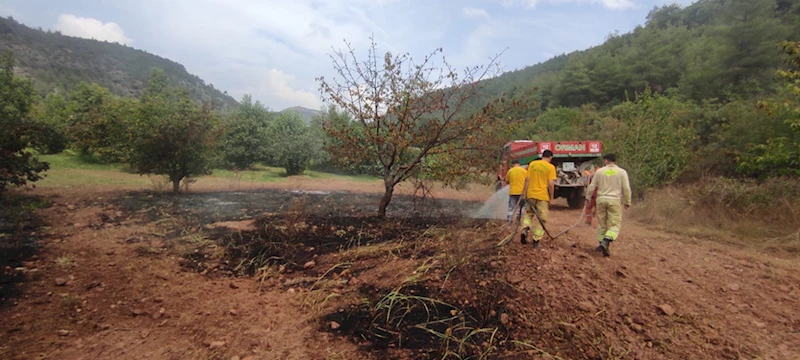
(404, 112)
(172, 136)
(290, 144)
(88, 124)
(99, 122)
(17, 164)
(51, 116)
(246, 140)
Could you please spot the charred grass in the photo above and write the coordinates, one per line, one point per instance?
(404, 287)
(413, 287)
(290, 241)
(20, 227)
(396, 286)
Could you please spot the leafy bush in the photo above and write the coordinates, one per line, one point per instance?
(780, 155)
(17, 165)
(649, 143)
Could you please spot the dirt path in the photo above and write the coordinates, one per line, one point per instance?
(105, 284)
(740, 303)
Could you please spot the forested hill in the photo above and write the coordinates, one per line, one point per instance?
(712, 49)
(54, 61)
(305, 113)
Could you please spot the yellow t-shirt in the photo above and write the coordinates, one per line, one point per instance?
(516, 180)
(540, 173)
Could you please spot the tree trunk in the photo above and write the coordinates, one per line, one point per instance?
(385, 200)
(176, 185)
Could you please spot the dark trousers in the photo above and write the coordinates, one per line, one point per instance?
(512, 202)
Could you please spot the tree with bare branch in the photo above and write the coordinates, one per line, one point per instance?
(415, 121)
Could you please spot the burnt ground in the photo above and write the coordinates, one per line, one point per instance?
(210, 207)
(276, 274)
(20, 229)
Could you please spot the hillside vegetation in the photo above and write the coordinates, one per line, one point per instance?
(712, 50)
(58, 62)
(696, 91)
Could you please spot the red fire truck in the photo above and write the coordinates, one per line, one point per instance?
(573, 160)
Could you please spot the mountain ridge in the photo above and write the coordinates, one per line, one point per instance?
(57, 62)
(304, 112)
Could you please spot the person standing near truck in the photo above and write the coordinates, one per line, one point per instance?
(539, 190)
(516, 184)
(589, 211)
(613, 192)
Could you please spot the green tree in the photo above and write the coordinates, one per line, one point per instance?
(290, 144)
(334, 118)
(172, 136)
(574, 88)
(609, 81)
(88, 124)
(780, 155)
(51, 116)
(17, 165)
(120, 114)
(648, 142)
(750, 35)
(246, 138)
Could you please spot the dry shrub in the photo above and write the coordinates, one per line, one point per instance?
(448, 307)
(746, 209)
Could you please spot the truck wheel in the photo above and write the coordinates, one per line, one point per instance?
(575, 200)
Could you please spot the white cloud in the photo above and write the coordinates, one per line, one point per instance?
(273, 51)
(475, 13)
(90, 28)
(610, 4)
(278, 87)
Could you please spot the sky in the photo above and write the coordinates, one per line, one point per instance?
(275, 49)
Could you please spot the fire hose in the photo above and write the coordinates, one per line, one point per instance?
(518, 214)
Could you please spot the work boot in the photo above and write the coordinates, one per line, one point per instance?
(524, 237)
(536, 244)
(604, 246)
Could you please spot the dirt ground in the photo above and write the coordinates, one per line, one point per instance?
(115, 274)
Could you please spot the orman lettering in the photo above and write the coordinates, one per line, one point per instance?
(570, 147)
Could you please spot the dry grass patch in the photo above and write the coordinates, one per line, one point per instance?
(744, 212)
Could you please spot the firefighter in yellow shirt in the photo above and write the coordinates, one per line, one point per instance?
(539, 190)
(516, 184)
